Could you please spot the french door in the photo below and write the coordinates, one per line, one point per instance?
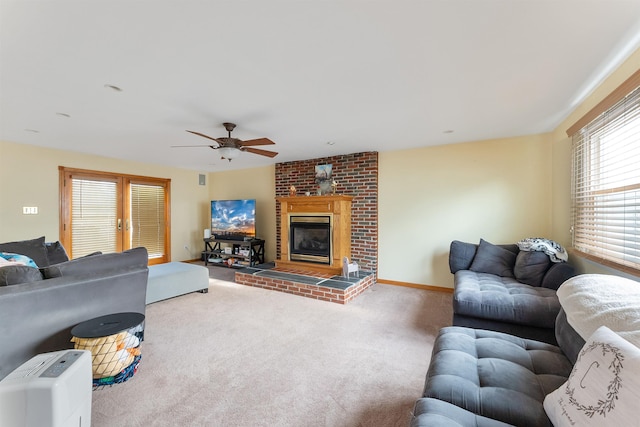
(106, 212)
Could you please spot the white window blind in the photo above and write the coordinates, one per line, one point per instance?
(606, 185)
(147, 218)
(94, 216)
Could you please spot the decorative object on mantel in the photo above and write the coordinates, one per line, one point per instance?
(292, 191)
(323, 178)
(334, 186)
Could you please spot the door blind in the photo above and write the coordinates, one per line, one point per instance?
(606, 185)
(94, 216)
(147, 218)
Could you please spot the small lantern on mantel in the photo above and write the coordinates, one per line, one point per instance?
(292, 191)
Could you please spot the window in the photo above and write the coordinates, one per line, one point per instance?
(108, 212)
(147, 218)
(605, 187)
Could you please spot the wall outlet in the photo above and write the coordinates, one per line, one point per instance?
(30, 210)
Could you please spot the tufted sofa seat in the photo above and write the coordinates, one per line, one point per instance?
(509, 290)
(490, 367)
(489, 378)
(504, 304)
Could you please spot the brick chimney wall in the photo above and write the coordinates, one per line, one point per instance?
(357, 176)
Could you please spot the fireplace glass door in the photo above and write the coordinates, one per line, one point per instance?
(310, 239)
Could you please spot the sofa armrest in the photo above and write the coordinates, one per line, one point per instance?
(557, 274)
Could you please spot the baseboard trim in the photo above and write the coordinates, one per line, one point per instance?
(415, 285)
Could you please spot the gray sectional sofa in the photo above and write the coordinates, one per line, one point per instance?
(504, 289)
(39, 306)
(592, 377)
(486, 378)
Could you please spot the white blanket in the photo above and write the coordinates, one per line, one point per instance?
(594, 300)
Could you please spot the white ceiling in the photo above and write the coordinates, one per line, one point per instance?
(363, 75)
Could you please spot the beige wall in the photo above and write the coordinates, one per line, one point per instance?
(561, 150)
(496, 190)
(29, 177)
(256, 183)
(499, 190)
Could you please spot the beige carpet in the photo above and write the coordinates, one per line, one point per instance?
(242, 356)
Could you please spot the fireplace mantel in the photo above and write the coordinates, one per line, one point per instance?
(338, 207)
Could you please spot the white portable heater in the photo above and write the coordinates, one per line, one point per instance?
(50, 390)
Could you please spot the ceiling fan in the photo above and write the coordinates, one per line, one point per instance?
(230, 148)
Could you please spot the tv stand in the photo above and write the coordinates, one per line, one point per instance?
(247, 252)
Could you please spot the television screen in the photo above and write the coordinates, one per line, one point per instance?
(233, 219)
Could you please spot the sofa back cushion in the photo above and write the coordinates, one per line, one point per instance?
(569, 341)
(530, 267)
(34, 249)
(98, 263)
(17, 274)
(461, 254)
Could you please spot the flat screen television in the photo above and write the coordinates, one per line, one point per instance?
(233, 219)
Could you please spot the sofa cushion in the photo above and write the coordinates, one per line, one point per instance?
(461, 255)
(530, 267)
(495, 375)
(493, 259)
(603, 387)
(505, 299)
(56, 253)
(17, 274)
(34, 249)
(433, 412)
(557, 274)
(98, 263)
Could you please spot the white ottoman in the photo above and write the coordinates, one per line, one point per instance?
(175, 278)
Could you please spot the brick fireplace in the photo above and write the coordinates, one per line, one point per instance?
(357, 176)
(357, 179)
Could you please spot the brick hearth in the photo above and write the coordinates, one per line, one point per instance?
(308, 284)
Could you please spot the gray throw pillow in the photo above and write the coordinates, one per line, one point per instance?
(493, 259)
(34, 249)
(17, 274)
(531, 266)
(56, 253)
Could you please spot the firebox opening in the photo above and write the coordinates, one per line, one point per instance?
(310, 239)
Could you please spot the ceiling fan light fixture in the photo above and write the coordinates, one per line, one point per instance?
(229, 153)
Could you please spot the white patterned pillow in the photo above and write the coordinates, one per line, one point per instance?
(603, 388)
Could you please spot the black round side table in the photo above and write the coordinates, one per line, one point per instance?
(107, 325)
(114, 342)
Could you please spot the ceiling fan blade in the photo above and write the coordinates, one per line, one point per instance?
(258, 141)
(202, 135)
(261, 152)
(182, 146)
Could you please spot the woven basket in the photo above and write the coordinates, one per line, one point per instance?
(110, 354)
